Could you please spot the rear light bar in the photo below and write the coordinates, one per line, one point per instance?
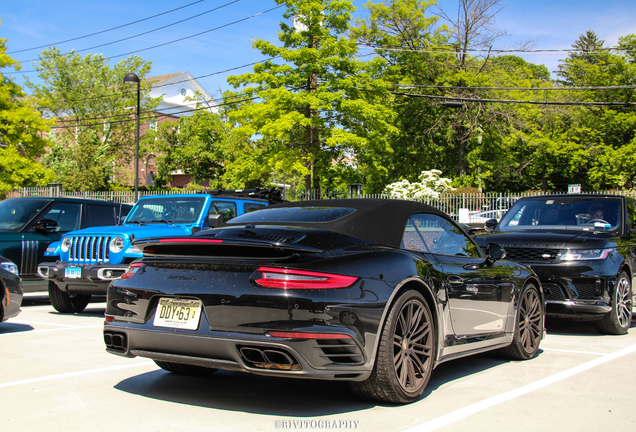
(301, 279)
(132, 269)
(301, 335)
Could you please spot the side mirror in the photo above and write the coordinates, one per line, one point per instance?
(46, 226)
(214, 220)
(495, 251)
(490, 225)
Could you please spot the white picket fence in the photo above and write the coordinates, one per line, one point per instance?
(450, 203)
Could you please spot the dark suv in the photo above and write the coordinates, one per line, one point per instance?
(582, 247)
(29, 225)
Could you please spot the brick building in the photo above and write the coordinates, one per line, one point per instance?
(180, 93)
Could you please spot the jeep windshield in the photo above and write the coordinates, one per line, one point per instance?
(160, 210)
(568, 213)
(15, 214)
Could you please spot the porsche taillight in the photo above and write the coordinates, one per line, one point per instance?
(132, 269)
(301, 279)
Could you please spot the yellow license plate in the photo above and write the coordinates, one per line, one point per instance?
(178, 313)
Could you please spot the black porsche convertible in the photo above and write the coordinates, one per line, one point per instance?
(373, 292)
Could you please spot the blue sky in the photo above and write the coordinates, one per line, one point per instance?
(550, 24)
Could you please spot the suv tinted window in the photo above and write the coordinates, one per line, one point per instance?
(227, 209)
(67, 216)
(14, 213)
(97, 215)
(249, 207)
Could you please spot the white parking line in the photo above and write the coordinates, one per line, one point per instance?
(73, 374)
(573, 352)
(475, 408)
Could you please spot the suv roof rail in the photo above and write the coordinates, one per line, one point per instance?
(272, 195)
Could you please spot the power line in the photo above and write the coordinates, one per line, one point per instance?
(189, 110)
(473, 100)
(131, 92)
(107, 30)
(449, 50)
(620, 87)
(146, 32)
(175, 40)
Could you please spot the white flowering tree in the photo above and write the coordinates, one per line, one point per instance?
(431, 185)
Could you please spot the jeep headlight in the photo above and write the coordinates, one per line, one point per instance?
(117, 244)
(66, 244)
(583, 254)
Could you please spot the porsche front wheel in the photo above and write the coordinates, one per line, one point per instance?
(405, 354)
(528, 327)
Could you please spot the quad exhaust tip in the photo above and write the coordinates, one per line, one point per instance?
(269, 358)
(115, 341)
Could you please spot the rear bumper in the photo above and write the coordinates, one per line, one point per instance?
(93, 278)
(260, 354)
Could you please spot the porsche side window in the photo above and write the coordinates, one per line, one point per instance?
(411, 239)
(442, 236)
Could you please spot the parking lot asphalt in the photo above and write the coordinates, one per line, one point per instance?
(56, 376)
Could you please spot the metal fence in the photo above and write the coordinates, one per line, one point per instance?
(449, 202)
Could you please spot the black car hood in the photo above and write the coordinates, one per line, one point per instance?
(553, 239)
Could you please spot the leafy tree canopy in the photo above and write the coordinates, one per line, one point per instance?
(94, 111)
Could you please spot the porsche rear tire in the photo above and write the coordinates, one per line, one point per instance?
(405, 355)
(185, 369)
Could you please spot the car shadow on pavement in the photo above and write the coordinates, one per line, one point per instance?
(570, 327)
(301, 398)
(9, 327)
(90, 311)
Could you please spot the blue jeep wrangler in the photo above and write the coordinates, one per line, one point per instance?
(91, 258)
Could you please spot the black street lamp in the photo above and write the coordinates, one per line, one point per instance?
(132, 78)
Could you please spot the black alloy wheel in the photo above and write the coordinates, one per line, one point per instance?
(405, 354)
(185, 369)
(528, 327)
(619, 319)
(64, 302)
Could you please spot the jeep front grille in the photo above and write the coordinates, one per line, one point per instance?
(89, 249)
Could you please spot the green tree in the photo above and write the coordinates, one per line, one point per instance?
(425, 63)
(208, 149)
(95, 116)
(601, 140)
(21, 129)
(320, 102)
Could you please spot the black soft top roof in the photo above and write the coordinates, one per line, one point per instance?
(379, 221)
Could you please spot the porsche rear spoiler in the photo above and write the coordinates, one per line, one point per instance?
(210, 247)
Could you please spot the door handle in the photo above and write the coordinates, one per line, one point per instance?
(455, 280)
